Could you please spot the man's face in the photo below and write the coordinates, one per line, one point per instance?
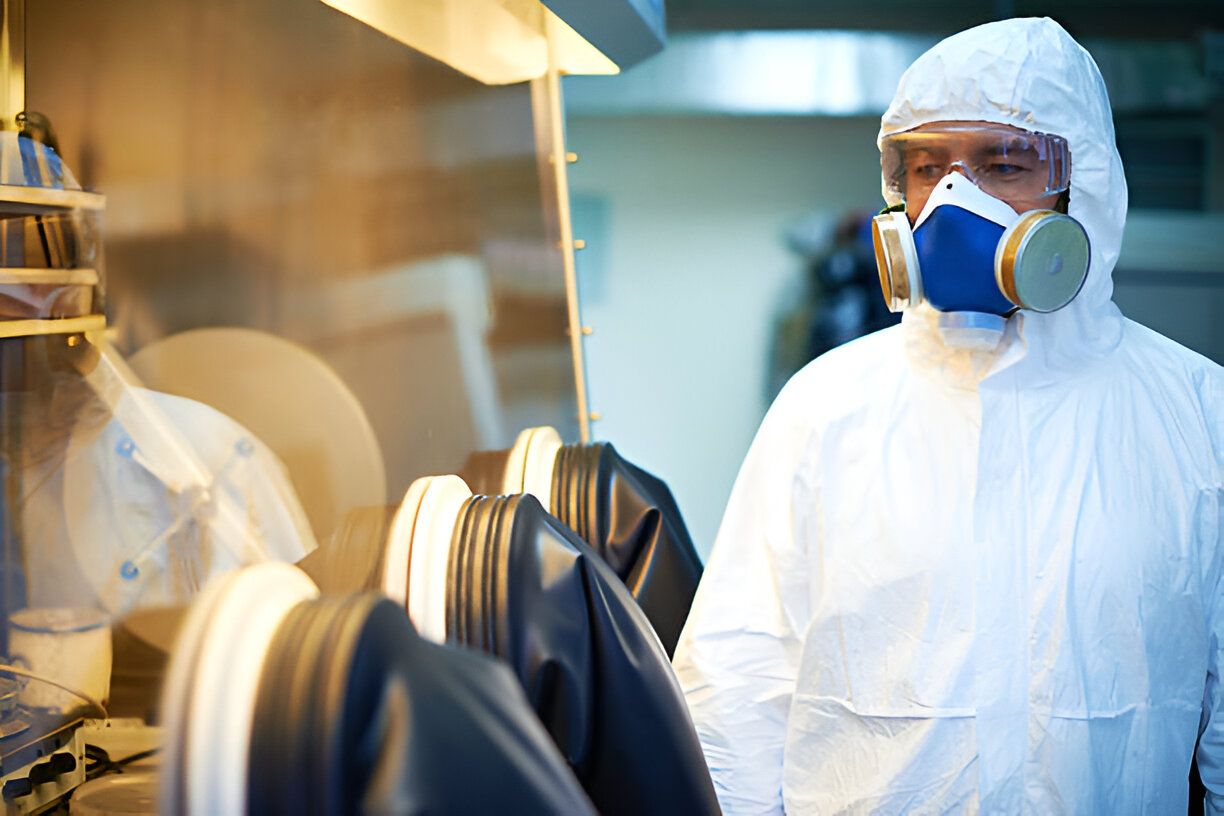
(1014, 170)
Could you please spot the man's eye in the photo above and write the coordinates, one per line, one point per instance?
(1006, 169)
(929, 171)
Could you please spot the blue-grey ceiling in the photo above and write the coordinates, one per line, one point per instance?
(1161, 19)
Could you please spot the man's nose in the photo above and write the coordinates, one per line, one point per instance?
(962, 168)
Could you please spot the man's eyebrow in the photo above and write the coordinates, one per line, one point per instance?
(1017, 146)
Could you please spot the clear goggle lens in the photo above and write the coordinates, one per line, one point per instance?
(1007, 163)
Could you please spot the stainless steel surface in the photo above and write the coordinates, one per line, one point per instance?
(498, 42)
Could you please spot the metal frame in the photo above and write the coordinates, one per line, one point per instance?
(62, 325)
(12, 58)
(559, 159)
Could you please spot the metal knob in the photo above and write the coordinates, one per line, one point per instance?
(17, 788)
(56, 765)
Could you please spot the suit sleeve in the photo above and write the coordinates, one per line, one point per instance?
(1211, 738)
(738, 656)
(1210, 754)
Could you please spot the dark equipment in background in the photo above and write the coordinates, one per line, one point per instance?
(841, 298)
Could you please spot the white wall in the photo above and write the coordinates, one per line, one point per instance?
(685, 269)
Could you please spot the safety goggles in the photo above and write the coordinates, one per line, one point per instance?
(1008, 163)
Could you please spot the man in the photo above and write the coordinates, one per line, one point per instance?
(977, 572)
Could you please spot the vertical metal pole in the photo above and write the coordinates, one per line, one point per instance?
(559, 163)
(12, 59)
(12, 561)
(12, 573)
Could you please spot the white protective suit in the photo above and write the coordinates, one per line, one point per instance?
(953, 581)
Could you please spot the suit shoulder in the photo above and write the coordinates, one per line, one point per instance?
(845, 377)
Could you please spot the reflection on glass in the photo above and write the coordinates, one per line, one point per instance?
(323, 248)
(302, 175)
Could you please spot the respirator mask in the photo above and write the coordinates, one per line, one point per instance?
(969, 254)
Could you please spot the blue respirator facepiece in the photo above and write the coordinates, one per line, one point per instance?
(973, 258)
(956, 251)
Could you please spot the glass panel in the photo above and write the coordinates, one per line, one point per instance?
(287, 169)
(344, 246)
